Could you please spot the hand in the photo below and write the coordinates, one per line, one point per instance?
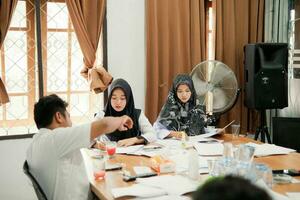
(128, 142)
(100, 145)
(177, 134)
(126, 123)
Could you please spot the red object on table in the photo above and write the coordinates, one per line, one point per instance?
(111, 150)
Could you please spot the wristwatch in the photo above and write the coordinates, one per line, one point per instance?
(141, 137)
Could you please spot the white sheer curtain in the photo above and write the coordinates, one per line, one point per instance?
(277, 29)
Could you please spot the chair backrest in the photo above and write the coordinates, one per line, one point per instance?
(38, 190)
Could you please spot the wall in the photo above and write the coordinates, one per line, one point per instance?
(14, 184)
(126, 44)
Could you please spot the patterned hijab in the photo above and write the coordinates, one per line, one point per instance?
(129, 110)
(178, 116)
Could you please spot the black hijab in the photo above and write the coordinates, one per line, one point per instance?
(178, 116)
(129, 110)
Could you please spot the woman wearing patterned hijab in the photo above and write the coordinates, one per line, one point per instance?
(180, 113)
(120, 102)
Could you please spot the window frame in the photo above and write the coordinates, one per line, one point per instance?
(33, 84)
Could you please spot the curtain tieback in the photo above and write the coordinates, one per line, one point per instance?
(97, 77)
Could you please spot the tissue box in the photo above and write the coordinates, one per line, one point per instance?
(162, 165)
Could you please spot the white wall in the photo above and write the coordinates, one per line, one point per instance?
(126, 44)
(14, 184)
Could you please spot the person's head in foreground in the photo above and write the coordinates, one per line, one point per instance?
(230, 188)
(50, 112)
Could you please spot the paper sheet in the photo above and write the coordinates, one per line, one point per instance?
(137, 190)
(293, 195)
(129, 150)
(180, 184)
(166, 197)
(205, 149)
(269, 149)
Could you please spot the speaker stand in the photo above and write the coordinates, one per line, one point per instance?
(262, 130)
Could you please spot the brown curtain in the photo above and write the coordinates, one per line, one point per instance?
(176, 42)
(87, 17)
(238, 22)
(7, 8)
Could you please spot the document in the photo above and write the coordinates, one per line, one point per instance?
(212, 132)
(129, 150)
(180, 184)
(293, 195)
(137, 190)
(209, 149)
(168, 197)
(269, 149)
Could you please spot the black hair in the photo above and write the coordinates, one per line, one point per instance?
(230, 188)
(45, 109)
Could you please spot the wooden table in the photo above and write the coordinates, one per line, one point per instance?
(113, 179)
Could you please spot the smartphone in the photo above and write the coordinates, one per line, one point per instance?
(133, 178)
(291, 172)
(111, 167)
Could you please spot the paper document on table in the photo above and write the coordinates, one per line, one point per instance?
(209, 149)
(209, 132)
(169, 142)
(137, 190)
(129, 150)
(168, 197)
(293, 195)
(179, 184)
(181, 162)
(269, 149)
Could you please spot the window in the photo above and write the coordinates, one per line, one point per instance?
(62, 62)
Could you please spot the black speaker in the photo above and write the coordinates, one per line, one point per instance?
(265, 71)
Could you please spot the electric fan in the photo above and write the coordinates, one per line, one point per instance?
(216, 86)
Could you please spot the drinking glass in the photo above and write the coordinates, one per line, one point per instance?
(265, 173)
(111, 148)
(235, 130)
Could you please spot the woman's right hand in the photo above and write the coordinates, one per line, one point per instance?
(176, 134)
(100, 145)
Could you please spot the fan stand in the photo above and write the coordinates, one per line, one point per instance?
(262, 130)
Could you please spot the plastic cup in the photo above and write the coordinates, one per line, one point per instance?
(265, 173)
(211, 167)
(99, 168)
(235, 130)
(111, 148)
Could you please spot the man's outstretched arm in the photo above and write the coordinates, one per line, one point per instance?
(110, 124)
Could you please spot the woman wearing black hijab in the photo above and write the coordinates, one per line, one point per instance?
(180, 114)
(120, 102)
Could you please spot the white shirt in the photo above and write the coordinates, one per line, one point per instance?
(55, 161)
(145, 127)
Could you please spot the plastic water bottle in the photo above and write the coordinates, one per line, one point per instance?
(193, 170)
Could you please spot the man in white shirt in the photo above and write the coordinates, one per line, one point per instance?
(54, 157)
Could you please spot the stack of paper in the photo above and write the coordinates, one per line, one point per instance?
(209, 149)
(269, 149)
